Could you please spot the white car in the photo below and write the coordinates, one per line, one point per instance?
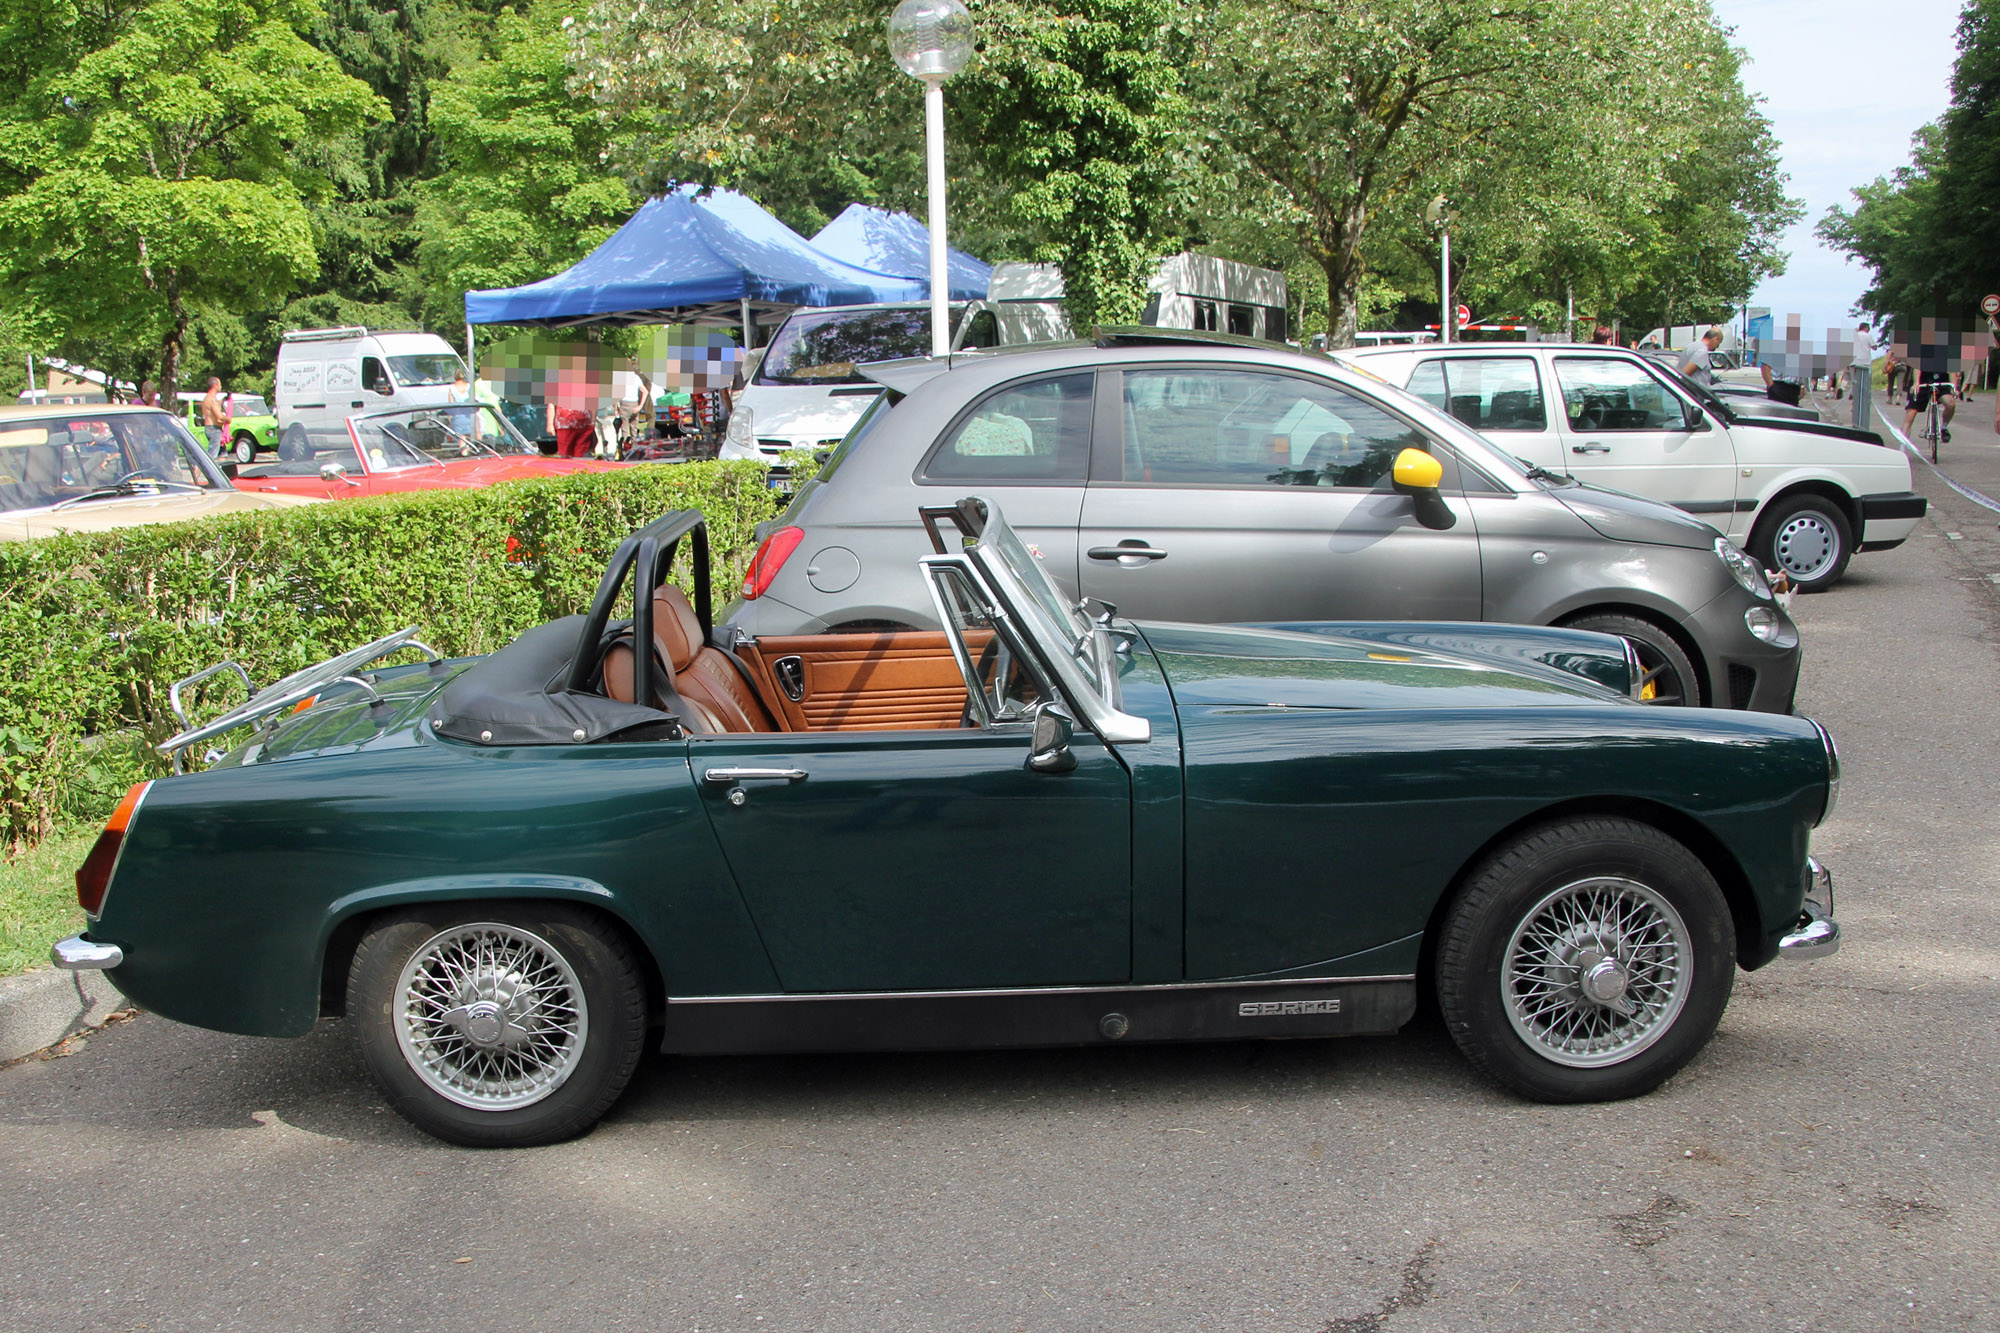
(1801, 496)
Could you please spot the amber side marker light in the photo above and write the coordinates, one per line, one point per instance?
(770, 558)
(93, 877)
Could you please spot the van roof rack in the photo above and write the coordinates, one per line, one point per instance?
(351, 331)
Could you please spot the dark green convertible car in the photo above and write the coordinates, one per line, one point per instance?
(1041, 825)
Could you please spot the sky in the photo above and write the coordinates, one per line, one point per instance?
(1845, 84)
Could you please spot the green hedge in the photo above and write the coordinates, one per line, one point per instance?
(95, 627)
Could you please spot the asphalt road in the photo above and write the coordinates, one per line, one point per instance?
(1828, 1164)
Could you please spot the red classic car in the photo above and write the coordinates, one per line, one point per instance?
(452, 446)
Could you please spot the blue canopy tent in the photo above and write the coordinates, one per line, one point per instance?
(689, 259)
(898, 243)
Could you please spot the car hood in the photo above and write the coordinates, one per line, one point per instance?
(806, 413)
(132, 511)
(1244, 666)
(1633, 518)
(1758, 421)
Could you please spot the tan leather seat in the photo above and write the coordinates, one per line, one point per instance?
(716, 694)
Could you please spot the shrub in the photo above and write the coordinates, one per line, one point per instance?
(95, 627)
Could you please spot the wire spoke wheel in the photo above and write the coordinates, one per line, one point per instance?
(490, 1016)
(1597, 971)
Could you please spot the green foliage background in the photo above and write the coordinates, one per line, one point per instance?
(95, 627)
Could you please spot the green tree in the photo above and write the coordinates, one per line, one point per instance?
(154, 173)
(526, 189)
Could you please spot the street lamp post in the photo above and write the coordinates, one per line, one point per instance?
(1438, 214)
(931, 40)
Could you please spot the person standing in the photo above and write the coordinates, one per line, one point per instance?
(1861, 377)
(215, 416)
(1694, 363)
(1602, 336)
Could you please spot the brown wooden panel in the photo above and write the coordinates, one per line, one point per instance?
(903, 680)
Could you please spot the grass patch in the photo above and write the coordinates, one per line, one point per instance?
(38, 900)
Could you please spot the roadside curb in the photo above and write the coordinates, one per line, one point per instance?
(39, 1009)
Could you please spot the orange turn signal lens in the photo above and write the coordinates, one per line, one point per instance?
(93, 877)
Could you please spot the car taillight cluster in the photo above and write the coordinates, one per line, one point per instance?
(93, 877)
(770, 558)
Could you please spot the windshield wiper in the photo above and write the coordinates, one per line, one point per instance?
(1536, 472)
(123, 488)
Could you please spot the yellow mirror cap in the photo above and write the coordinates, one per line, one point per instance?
(1416, 468)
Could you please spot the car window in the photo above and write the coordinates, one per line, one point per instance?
(1034, 432)
(1225, 427)
(1427, 383)
(1601, 394)
(825, 347)
(373, 377)
(425, 369)
(48, 460)
(1496, 393)
(1000, 674)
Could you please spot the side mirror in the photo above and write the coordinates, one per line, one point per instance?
(336, 472)
(1048, 746)
(1417, 475)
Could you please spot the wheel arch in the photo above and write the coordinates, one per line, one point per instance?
(1703, 669)
(349, 918)
(1678, 825)
(1824, 487)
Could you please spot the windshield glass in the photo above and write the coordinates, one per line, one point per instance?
(1695, 391)
(824, 347)
(251, 405)
(425, 368)
(1055, 620)
(394, 440)
(48, 460)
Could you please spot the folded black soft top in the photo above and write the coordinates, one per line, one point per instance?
(520, 695)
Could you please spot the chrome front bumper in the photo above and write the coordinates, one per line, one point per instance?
(1817, 934)
(77, 954)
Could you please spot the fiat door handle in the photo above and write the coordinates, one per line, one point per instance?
(1131, 547)
(1592, 448)
(729, 777)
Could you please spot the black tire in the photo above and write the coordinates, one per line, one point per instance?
(245, 447)
(1807, 538)
(597, 1054)
(1534, 881)
(1668, 668)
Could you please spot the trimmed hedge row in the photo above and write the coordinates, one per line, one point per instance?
(95, 627)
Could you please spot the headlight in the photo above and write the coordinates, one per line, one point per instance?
(741, 422)
(1744, 569)
(1762, 621)
(1832, 773)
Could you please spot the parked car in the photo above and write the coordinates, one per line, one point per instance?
(1741, 391)
(805, 391)
(456, 446)
(252, 426)
(1031, 827)
(326, 375)
(85, 468)
(1801, 496)
(1182, 476)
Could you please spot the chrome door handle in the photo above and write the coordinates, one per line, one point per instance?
(729, 777)
(1592, 448)
(1140, 551)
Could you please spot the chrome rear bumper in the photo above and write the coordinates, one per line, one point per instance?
(1817, 934)
(77, 954)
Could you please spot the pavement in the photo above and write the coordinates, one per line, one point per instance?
(1831, 1162)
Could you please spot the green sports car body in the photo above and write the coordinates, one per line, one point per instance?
(1086, 831)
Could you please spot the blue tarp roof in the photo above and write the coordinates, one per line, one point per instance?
(680, 259)
(898, 243)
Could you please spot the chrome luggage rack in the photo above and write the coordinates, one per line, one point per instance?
(286, 693)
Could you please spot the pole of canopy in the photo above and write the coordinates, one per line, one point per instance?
(749, 329)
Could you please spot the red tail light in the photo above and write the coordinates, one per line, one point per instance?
(770, 558)
(93, 877)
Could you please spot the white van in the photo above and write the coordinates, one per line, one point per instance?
(327, 375)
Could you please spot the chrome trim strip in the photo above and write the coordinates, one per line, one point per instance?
(77, 954)
(1002, 992)
(1832, 773)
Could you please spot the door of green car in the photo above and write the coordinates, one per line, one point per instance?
(925, 860)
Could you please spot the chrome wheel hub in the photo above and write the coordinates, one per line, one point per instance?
(1596, 972)
(490, 1016)
(1805, 546)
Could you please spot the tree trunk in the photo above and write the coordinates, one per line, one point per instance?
(1340, 256)
(171, 347)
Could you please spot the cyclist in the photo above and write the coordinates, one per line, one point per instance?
(1933, 379)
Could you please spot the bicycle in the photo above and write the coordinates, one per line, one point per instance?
(1934, 429)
